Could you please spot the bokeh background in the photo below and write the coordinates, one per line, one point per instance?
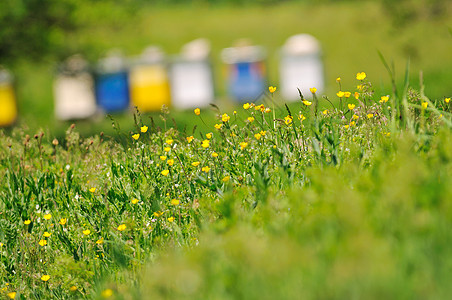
(36, 35)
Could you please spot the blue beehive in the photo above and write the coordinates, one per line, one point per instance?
(112, 87)
(246, 72)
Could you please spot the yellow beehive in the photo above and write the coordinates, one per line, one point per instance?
(8, 109)
(149, 87)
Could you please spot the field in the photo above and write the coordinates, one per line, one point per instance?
(271, 202)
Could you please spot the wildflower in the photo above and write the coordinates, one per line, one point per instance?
(384, 99)
(351, 106)
(347, 94)
(226, 178)
(243, 145)
(47, 234)
(370, 116)
(47, 216)
(440, 116)
(301, 117)
(205, 169)
(447, 100)
(356, 95)
(225, 117)
(134, 201)
(235, 112)
(175, 202)
(250, 119)
(136, 136)
(307, 103)
(258, 136)
(189, 138)
(272, 89)
(12, 295)
(263, 132)
(144, 129)
(73, 288)
(165, 172)
(340, 94)
(355, 117)
(338, 79)
(288, 120)
(352, 123)
(107, 293)
(86, 232)
(167, 149)
(267, 110)
(100, 241)
(214, 154)
(424, 105)
(42, 243)
(169, 141)
(122, 227)
(195, 164)
(359, 87)
(361, 76)
(325, 112)
(158, 214)
(27, 222)
(171, 219)
(63, 221)
(346, 126)
(92, 190)
(218, 126)
(313, 90)
(205, 143)
(45, 277)
(209, 135)
(197, 111)
(162, 157)
(246, 105)
(170, 162)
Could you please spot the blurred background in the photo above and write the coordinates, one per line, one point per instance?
(37, 36)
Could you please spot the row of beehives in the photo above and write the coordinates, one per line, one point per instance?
(149, 81)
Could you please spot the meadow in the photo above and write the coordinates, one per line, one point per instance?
(335, 197)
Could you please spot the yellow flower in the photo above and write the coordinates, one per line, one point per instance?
(73, 288)
(288, 120)
(136, 136)
(86, 232)
(165, 172)
(346, 126)
(92, 190)
(267, 110)
(301, 117)
(214, 154)
(106, 293)
(359, 87)
(226, 178)
(47, 216)
(218, 126)
(63, 221)
(325, 112)
(424, 105)
(447, 100)
(45, 277)
(175, 202)
(205, 169)
(169, 141)
(162, 157)
(158, 214)
(313, 90)
(250, 119)
(263, 132)
(440, 116)
(384, 99)
(167, 149)
(351, 106)
(258, 136)
(352, 123)
(307, 103)
(347, 94)
(171, 219)
(170, 162)
(144, 129)
(355, 117)
(361, 76)
(195, 164)
(47, 234)
(340, 94)
(338, 79)
(42, 243)
(272, 89)
(243, 145)
(122, 227)
(12, 295)
(134, 201)
(197, 111)
(100, 241)
(225, 117)
(189, 138)
(246, 105)
(27, 222)
(209, 135)
(370, 116)
(356, 95)
(205, 143)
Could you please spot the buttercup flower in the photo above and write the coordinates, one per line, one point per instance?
(45, 277)
(122, 227)
(347, 94)
(356, 95)
(313, 90)
(243, 145)
(288, 120)
(175, 202)
(92, 190)
(169, 141)
(205, 169)
(340, 94)
(361, 76)
(351, 106)
(42, 243)
(250, 119)
(205, 144)
(226, 178)
(27, 222)
(162, 157)
(225, 117)
(136, 136)
(307, 103)
(47, 234)
(195, 164)
(370, 116)
(11, 295)
(47, 216)
(189, 138)
(165, 172)
(144, 129)
(246, 105)
(197, 111)
(171, 219)
(325, 112)
(258, 136)
(134, 201)
(73, 288)
(355, 117)
(209, 135)
(167, 149)
(424, 105)
(107, 293)
(86, 232)
(100, 241)
(170, 162)
(218, 126)
(447, 100)
(63, 221)
(214, 154)
(272, 89)
(384, 99)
